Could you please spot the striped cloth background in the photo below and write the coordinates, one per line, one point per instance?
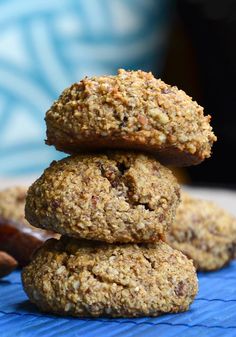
(45, 45)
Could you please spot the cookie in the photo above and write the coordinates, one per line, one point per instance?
(204, 232)
(84, 278)
(17, 237)
(114, 197)
(12, 204)
(131, 111)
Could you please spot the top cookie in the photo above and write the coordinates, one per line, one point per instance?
(134, 111)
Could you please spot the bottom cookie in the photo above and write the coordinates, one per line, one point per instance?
(204, 232)
(84, 278)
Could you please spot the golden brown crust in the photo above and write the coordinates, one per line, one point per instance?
(82, 278)
(131, 110)
(113, 197)
(204, 232)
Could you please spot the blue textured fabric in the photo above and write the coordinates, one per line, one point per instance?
(212, 314)
(45, 45)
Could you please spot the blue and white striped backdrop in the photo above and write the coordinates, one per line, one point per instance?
(45, 45)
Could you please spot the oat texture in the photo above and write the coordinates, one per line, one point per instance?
(114, 197)
(131, 110)
(204, 232)
(85, 278)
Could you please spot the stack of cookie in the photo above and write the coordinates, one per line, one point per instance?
(114, 208)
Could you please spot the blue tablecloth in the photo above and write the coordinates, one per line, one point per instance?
(213, 313)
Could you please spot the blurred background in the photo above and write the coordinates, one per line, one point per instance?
(47, 45)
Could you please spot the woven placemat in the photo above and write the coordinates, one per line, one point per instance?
(213, 313)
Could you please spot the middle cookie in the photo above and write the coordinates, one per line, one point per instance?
(112, 197)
